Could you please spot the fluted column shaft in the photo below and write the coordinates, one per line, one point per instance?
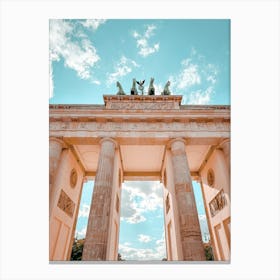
(98, 223)
(190, 233)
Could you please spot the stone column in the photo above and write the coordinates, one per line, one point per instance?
(225, 147)
(191, 240)
(98, 223)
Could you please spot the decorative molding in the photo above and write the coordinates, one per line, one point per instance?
(139, 126)
(110, 140)
(169, 144)
(58, 107)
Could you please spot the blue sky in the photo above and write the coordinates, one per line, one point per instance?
(88, 57)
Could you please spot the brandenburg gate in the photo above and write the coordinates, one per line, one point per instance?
(139, 137)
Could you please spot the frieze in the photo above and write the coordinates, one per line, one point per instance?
(139, 126)
(142, 106)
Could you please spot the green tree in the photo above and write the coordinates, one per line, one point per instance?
(77, 249)
(209, 253)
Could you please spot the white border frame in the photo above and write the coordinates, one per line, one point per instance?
(255, 137)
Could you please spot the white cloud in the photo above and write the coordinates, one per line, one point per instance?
(96, 82)
(122, 68)
(212, 79)
(138, 198)
(131, 253)
(195, 80)
(81, 234)
(142, 41)
(204, 227)
(200, 97)
(84, 211)
(187, 77)
(136, 218)
(93, 23)
(144, 238)
(211, 73)
(156, 250)
(79, 55)
(158, 89)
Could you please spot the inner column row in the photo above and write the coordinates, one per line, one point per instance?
(97, 242)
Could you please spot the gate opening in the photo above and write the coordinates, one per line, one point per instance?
(142, 234)
(142, 230)
(82, 221)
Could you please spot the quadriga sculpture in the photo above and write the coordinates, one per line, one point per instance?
(166, 90)
(151, 89)
(141, 87)
(120, 92)
(133, 90)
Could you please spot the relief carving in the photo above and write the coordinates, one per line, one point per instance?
(66, 204)
(142, 106)
(217, 203)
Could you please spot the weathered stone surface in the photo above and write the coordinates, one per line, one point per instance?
(98, 223)
(189, 225)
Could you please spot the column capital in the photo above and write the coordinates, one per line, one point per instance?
(58, 140)
(221, 145)
(170, 142)
(105, 139)
(227, 140)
